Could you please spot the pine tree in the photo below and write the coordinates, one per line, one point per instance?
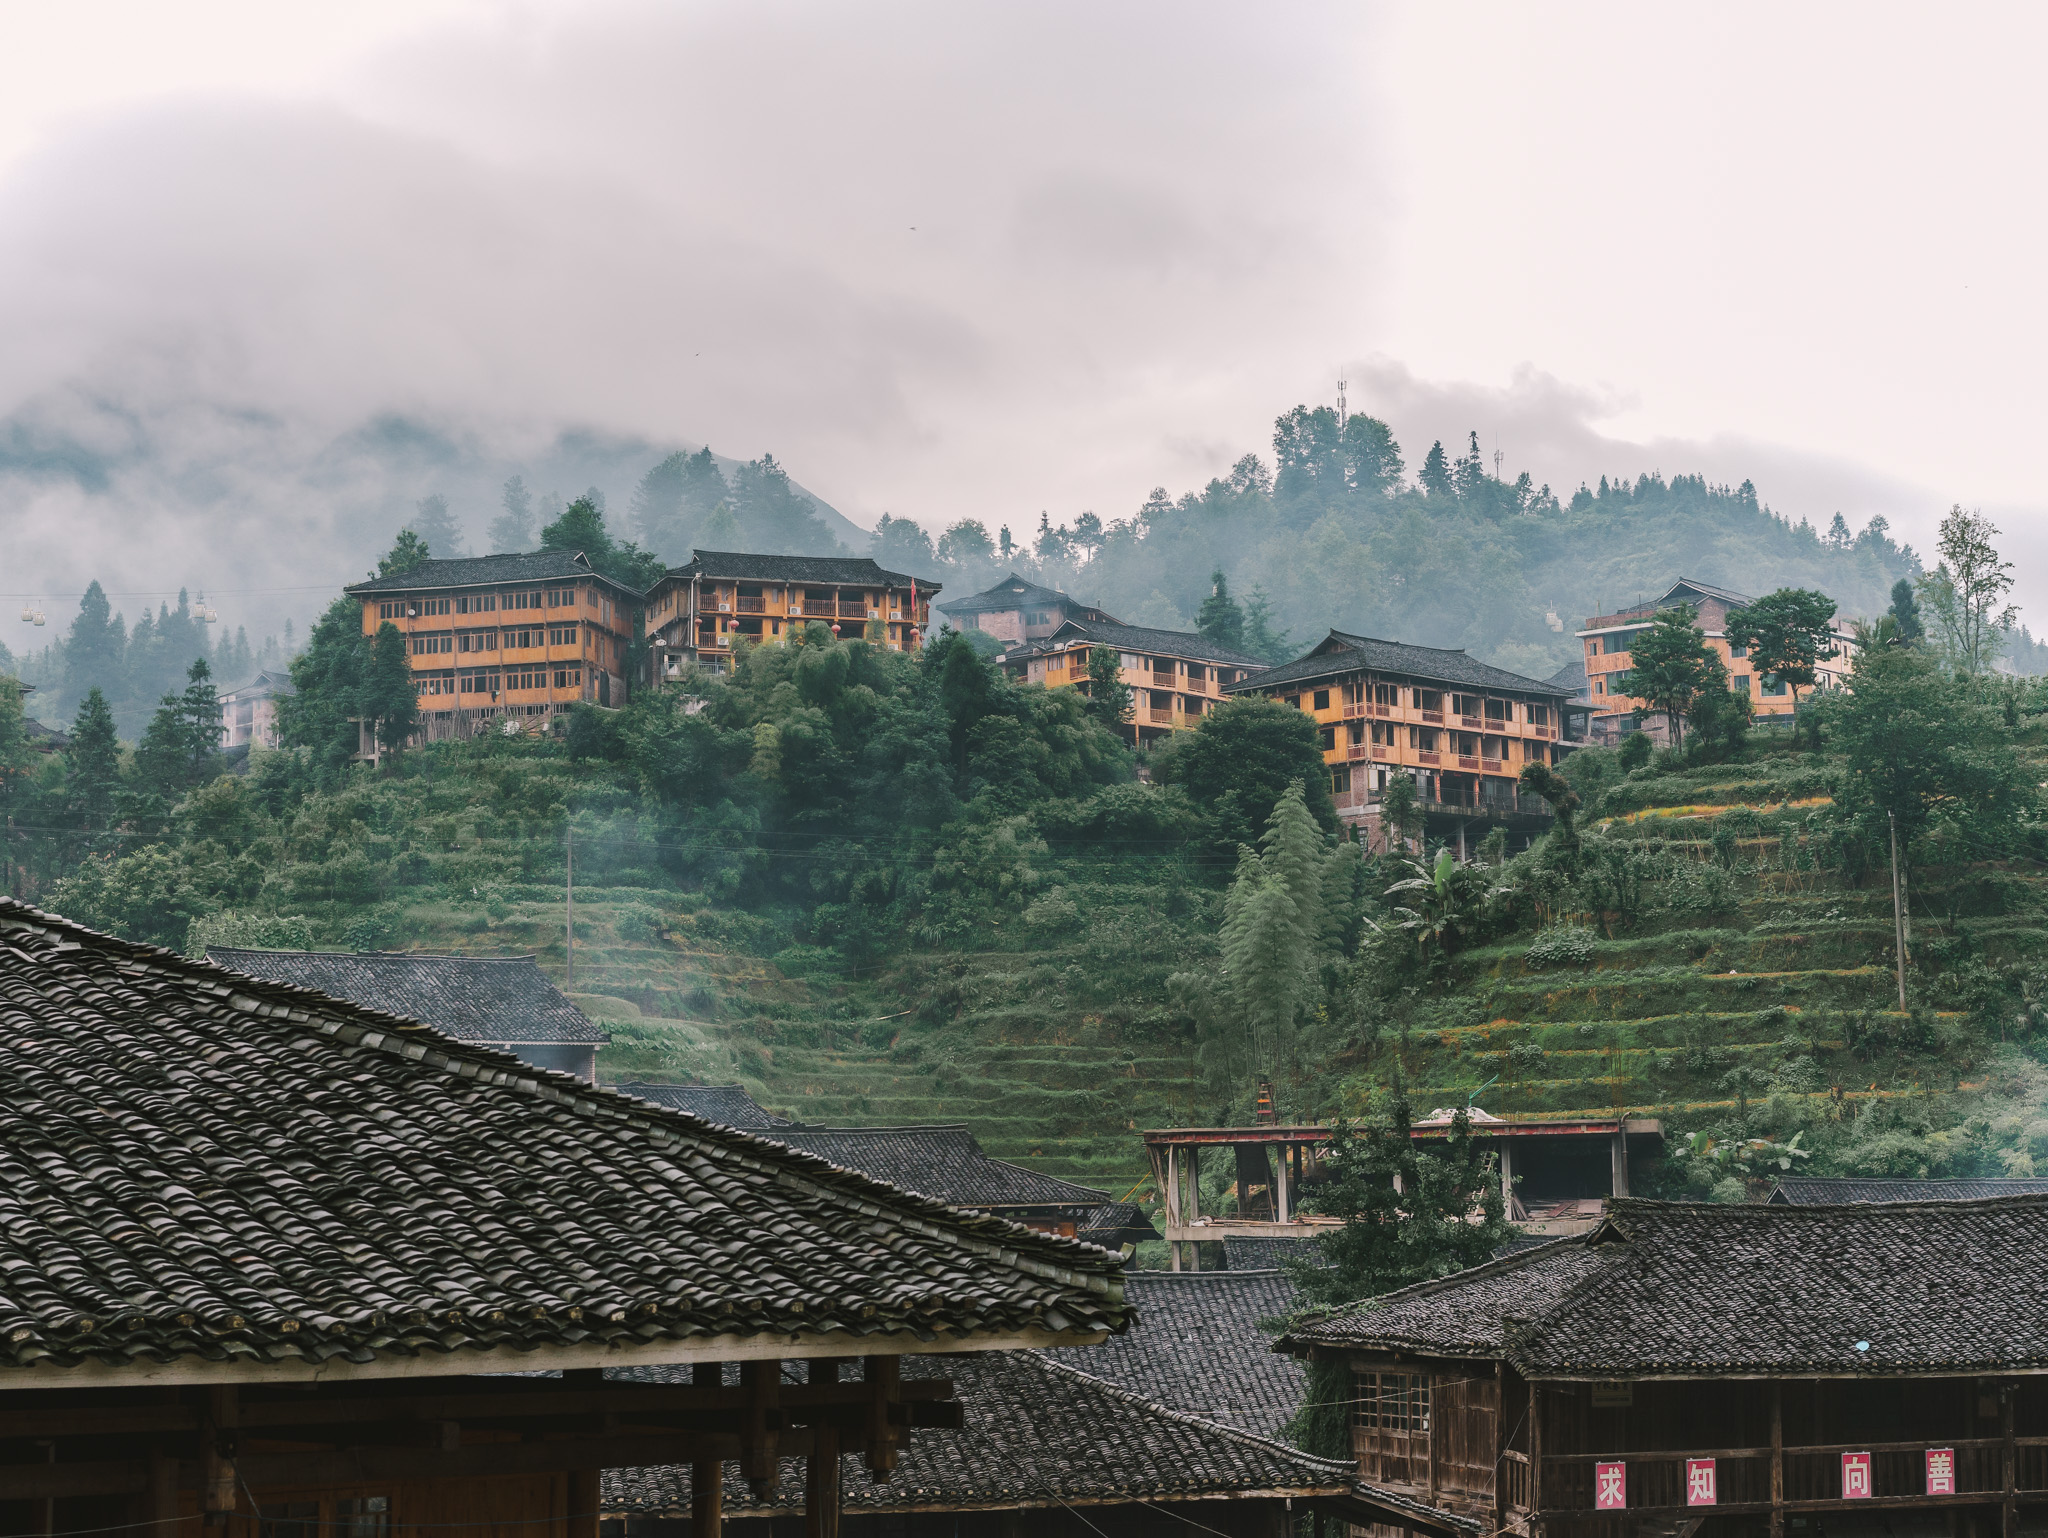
(1260, 638)
(437, 527)
(92, 769)
(408, 553)
(1435, 475)
(511, 532)
(390, 695)
(1220, 617)
(1905, 611)
(1109, 697)
(94, 651)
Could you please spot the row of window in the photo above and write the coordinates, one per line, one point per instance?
(483, 603)
(490, 640)
(1771, 688)
(1430, 739)
(1394, 695)
(509, 681)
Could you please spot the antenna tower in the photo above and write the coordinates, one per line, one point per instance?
(1343, 411)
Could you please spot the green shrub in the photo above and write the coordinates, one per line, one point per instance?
(1566, 945)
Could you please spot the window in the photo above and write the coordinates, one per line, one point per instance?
(568, 678)
(1539, 715)
(369, 1517)
(1774, 686)
(1497, 711)
(1465, 704)
(1429, 699)
(1390, 1401)
(1340, 779)
(1322, 699)
(1386, 694)
(1599, 686)
(1383, 734)
(1739, 683)
(479, 683)
(1328, 736)
(565, 635)
(428, 645)
(1356, 732)
(1423, 737)
(1738, 651)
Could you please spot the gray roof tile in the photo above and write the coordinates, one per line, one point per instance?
(1037, 1432)
(942, 1161)
(505, 999)
(850, 570)
(1203, 1345)
(727, 1104)
(1812, 1191)
(1136, 638)
(199, 1165)
(1339, 653)
(486, 570)
(1700, 1290)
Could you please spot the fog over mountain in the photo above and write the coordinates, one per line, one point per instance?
(948, 264)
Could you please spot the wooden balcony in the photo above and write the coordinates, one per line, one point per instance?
(852, 610)
(1473, 722)
(1436, 716)
(1380, 750)
(1491, 765)
(753, 605)
(1160, 715)
(1466, 762)
(1429, 758)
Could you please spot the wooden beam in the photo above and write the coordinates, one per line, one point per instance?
(884, 1376)
(1500, 1443)
(1536, 1460)
(586, 1501)
(1620, 1163)
(758, 1442)
(364, 1465)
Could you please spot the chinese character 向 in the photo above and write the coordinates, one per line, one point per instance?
(1855, 1476)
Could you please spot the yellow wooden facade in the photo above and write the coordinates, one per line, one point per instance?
(1174, 679)
(699, 613)
(511, 646)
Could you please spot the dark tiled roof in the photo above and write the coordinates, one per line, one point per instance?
(1203, 1345)
(1949, 1287)
(1243, 1252)
(265, 685)
(851, 570)
(1572, 679)
(1037, 1432)
(1802, 1191)
(944, 1162)
(726, 1104)
(1135, 638)
(1340, 653)
(1118, 1224)
(476, 998)
(485, 570)
(201, 1167)
(1013, 592)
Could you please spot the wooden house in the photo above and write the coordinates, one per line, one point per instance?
(1175, 676)
(500, 1001)
(1606, 640)
(248, 715)
(1047, 1450)
(1016, 611)
(727, 1104)
(504, 640)
(1460, 729)
(697, 614)
(283, 1265)
(1757, 1369)
(1558, 1173)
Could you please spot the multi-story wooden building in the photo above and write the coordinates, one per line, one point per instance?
(505, 636)
(1460, 729)
(248, 715)
(697, 613)
(1016, 611)
(1606, 639)
(1175, 676)
(1854, 1370)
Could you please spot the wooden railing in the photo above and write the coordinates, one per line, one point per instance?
(753, 605)
(1809, 1478)
(1161, 715)
(1433, 715)
(852, 610)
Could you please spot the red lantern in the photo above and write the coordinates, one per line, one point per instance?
(835, 630)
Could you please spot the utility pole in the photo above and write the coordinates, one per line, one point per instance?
(1898, 912)
(569, 922)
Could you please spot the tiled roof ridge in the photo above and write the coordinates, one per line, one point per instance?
(1151, 1406)
(792, 1166)
(1213, 650)
(1870, 1212)
(1210, 1276)
(292, 950)
(1314, 664)
(894, 578)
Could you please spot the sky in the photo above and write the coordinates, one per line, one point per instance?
(953, 261)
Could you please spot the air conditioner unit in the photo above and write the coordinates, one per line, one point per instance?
(725, 608)
(725, 638)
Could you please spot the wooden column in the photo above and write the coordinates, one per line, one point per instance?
(1507, 1176)
(1536, 1460)
(821, 1484)
(2008, 1394)
(1281, 1192)
(1621, 1159)
(707, 1475)
(163, 1494)
(1429, 1436)
(1194, 1203)
(218, 1426)
(586, 1496)
(1777, 1461)
(763, 1384)
(884, 1375)
(1173, 1202)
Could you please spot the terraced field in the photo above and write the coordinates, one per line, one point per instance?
(1058, 1053)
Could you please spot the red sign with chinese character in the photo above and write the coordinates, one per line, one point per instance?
(1699, 1482)
(1941, 1471)
(1610, 1486)
(1855, 1476)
